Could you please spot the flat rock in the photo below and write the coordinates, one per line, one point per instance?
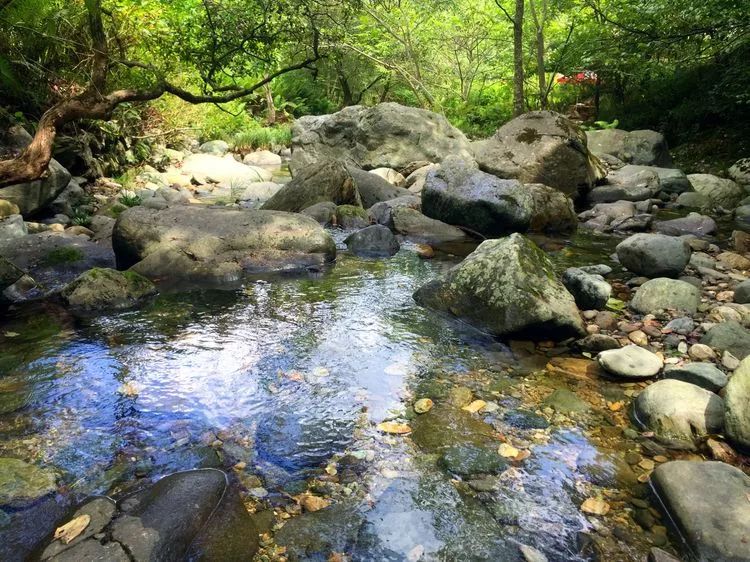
(663, 293)
(705, 375)
(630, 361)
(708, 503)
(101, 510)
(694, 223)
(206, 168)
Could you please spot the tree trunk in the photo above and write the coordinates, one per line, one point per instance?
(539, 24)
(518, 76)
(270, 107)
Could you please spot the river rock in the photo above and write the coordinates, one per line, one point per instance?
(263, 159)
(729, 336)
(601, 215)
(351, 217)
(705, 375)
(187, 516)
(630, 362)
(468, 460)
(671, 180)
(376, 241)
(707, 500)
(654, 255)
(737, 405)
(374, 189)
(390, 175)
(740, 172)
(643, 147)
(458, 193)
(100, 289)
(12, 227)
(324, 212)
(719, 191)
(21, 482)
(445, 427)
(208, 168)
(663, 293)
(552, 210)
(419, 228)
(197, 244)
(694, 223)
(541, 147)
(679, 412)
(100, 510)
(507, 287)
(630, 183)
(9, 274)
(742, 292)
(386, 135)
(591, 291)
(693, 200)
(382, 213)
(416, 180)
(217, 147)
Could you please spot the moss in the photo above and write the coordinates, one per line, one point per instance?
(116, 210)
(63, 255)
(350, 211)
(136, 280)
(528, 136)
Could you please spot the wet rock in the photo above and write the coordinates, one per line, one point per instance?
(630, 361)
(386, 135)
(531, 554)
(654, 255)
(99, 289)
(444, 427)
(678, 412)
(589, 290)
(643, 147)
(742, 293)
(663, 293)
(459, 396)
(541, 147)
(419, 228)
(564, 401)
(21, 482)
(630, 183)
(729, 336)
(705, 375)
(351, 216)
(458, 193)
(374, 241)
(101, 510)
(737, 405)
(93, 551)
(468, 460)
(263, 159)
(708, 503)
(188, 515)
(382, 213)
(524, 419)
(217, 147)
(694, 223)
(327, 181)
(196, 244)
(324, 212)
(507, 287)
(719, 191)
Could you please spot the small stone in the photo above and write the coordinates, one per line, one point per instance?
(638, 337)
(507, 451)
(531, 554)
(729, 361)
(475, 406)
(394, 427)
(423, 405)
(682, 347)
(630, 362)
(701, 352)
(460, 396)
(313, 503)
(595, 506)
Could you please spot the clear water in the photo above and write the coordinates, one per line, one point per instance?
(286, 374)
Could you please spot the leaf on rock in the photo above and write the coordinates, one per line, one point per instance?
(72, 528)
(393, 427)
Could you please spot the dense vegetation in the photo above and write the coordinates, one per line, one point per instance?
(226, 68)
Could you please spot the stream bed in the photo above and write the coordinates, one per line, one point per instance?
(283, 383)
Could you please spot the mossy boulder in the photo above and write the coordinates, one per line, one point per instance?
(507, 287)
(21, 482)
(351, 216)
(102, 288)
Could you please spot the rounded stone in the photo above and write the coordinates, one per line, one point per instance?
(630, 361)
(654, 255)
(663, 293)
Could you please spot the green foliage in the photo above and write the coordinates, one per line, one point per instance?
(80, 218)
(261, 138)
(62, 255)
(130, 200)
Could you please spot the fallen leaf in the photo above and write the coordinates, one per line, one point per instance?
(72, 528)
(393, 427)
(508, 451)
(646, 464)
(616, 406)
(475, 406)
(661, 458)
(643, 478)
(595, 506)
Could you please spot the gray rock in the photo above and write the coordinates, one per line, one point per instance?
(705, 375)
(468, 460)
(654, 255)
(719, 191)
(663, 294)
(597, 269)
(564, 401)
(742, 292)
(678, 412)
(507, 287)
(419, 228)
(205, 168)
(644, 147)
(12, 227)
(458, 193)
(263, 159)
(33, 196)
(598, 342)
(630, 362)
(9, 274)
(552, 210)
(324, 212)
(602, 214)
(323, 182)
(693, 200)
(740, 172)
(196, 244)
(683, 325)
(737, 406)
(259, 191)
(101, 510)
(374, 189)
(93, 551)
(375, 241)
(630, 183)
(702, 260)
(350, 217)
(694, 223)
(416, 180)
(541, 147)
(217, 147)
(590, 291)
(390, 175)
(107, 289)
(387, 135)
(382, 213)
(671, 180)
(707, 500)
(729, 336)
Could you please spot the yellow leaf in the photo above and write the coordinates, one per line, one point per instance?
(72, 528)
(393, 427)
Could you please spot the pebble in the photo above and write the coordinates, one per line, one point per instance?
(630, 361)
(423, 405)
(638, 337)
(531, 554)
(729, 361)
(701, 352)
(595, 506)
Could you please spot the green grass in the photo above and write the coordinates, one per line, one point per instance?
(130, 200)
(261, 138)
(62, 255)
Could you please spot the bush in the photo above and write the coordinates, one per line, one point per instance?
(261, 138)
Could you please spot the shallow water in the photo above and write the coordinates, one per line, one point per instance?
(283, 375)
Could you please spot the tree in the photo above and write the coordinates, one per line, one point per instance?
(215, 41)
(518, 71)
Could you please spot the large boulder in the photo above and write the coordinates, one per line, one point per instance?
(552, 210)
(737, 404)
(374, 189)
(376, 241)
(329, 181)
(740, 172)
(719, 191)
(663, 293)
(387, 135)
(678, 412)
(101, 288)
(671, 180)
(644, 147)
(654, 255)
(209, 168)
(382, 213)
(197, 244)
(694, 223)
(414, 225)
(541, 147)
(507, 287)
(707, 501)
(629, 183)
(729, 336)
